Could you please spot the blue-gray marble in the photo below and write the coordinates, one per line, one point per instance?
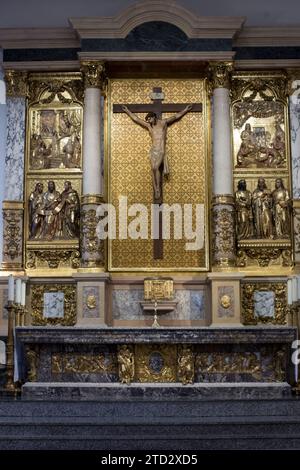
(295, 142)
(262, 53)
(15, 147)
(126, 305)
(23, 55)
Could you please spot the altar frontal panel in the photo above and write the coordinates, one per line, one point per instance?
(130, 172)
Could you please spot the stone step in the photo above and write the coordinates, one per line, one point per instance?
(151, 391)
(146, 425)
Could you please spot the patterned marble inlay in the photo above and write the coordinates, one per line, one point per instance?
(190, 306)
(264, 303)
(15, 141)
(53, 305)
(295, 141)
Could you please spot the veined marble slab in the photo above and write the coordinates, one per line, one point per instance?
(15, 145)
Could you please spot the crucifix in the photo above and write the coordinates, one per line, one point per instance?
(157, 128)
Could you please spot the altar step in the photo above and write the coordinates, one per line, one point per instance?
(152, 391)
(150, 425)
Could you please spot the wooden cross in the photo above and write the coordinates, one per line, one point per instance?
(157, 107)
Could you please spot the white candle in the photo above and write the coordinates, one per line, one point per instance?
(298, 284)
(11, 288)
(289, 292)
(18, 291)
(23, 294)
(295, 289)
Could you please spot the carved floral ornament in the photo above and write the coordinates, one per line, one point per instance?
(66, 89)
(16, 83)
(94, 74)
(220, 74)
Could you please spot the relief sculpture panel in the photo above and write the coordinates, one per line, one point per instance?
(53, 170)
(261, 169)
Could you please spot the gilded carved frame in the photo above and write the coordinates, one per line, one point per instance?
(59, 94)
(247, 303)
(37, 304)
(270, 87)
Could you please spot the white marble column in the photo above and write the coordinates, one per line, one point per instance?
(16, 92)
(222, 204)
(92, 171)
(92, 249)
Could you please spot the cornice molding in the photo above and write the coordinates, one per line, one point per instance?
(158, 10)
(44, 66)
(267, 64)
(38, 38)
(157, 56)
(264, 37)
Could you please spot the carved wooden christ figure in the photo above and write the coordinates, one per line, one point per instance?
(157, 129)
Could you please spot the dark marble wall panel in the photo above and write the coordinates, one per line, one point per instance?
(263, 53)
(20, 55)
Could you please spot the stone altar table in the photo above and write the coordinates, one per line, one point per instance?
(61, 361)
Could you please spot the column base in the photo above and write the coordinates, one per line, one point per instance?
(224, 247)
(92, 248)
(12, 235)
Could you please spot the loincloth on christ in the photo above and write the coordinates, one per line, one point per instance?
(157, 157)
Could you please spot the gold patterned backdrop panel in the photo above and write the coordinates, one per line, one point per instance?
(130, 171)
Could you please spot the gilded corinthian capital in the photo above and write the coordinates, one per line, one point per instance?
(93, 72)
(220, 74)
(16, 82)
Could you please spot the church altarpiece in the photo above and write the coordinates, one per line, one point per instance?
(54, 153)
(53, 175)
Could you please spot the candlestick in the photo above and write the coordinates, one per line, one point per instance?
(23, 294)
(298, 285)
(11, 288)
(18, 291)
(10, 348)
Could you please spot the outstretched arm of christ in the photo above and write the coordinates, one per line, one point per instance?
(135, 118)
(179, 115)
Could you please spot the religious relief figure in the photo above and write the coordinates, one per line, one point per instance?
(56, 139)
(157, 129)
(262, 148)
(126, 364)
(36, 211)
(52, 204)
(70, 220)
(186, 366)
(281, 210)
(243, 204)
(248, 150)
(262, 210)
(53, 215)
